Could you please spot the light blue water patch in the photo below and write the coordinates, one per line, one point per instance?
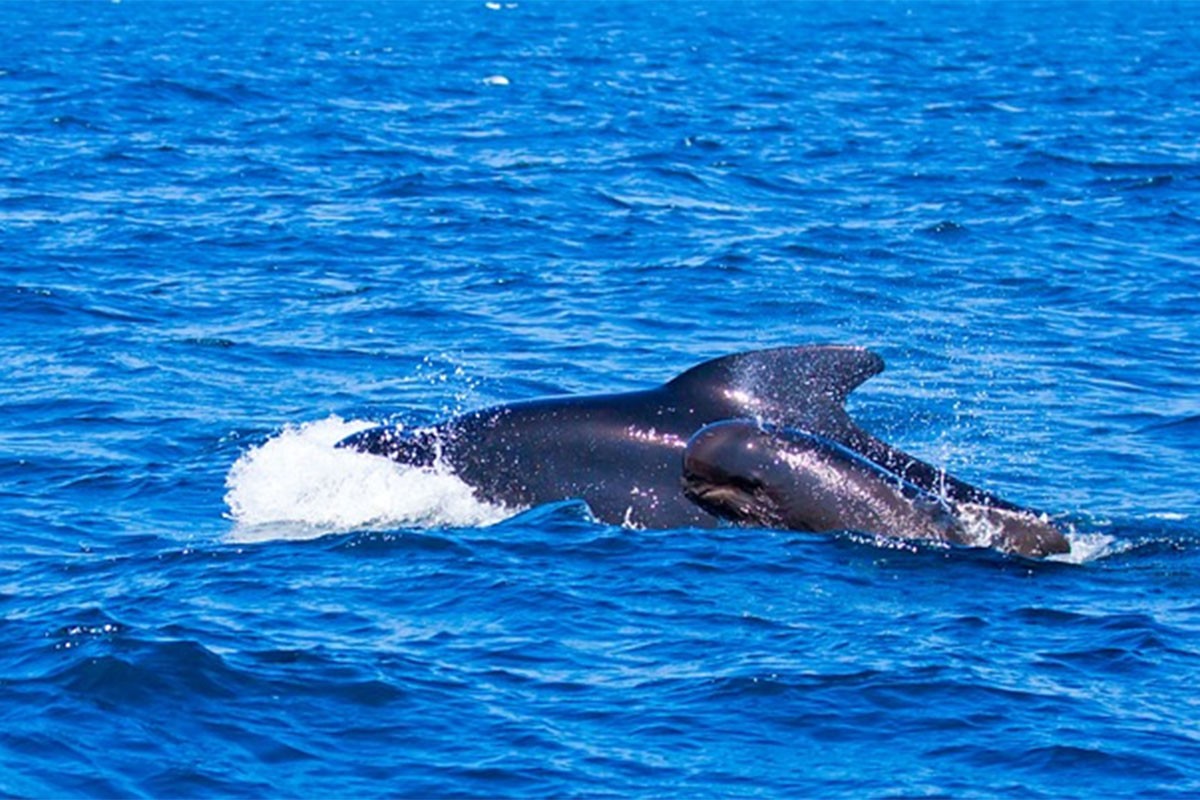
(231, 231)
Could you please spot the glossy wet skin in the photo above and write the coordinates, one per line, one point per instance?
(791, 479)
(621, 453)
(799, 481)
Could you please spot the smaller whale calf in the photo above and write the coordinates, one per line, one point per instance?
(748, 473)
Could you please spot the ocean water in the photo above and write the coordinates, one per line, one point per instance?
(231, 233)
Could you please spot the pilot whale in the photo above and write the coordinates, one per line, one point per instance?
(749, 473)
(622, 453)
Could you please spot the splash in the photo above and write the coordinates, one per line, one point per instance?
(993, 528)
(1087, 547)
(298, 485)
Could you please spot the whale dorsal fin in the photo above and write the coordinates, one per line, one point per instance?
(804, 387)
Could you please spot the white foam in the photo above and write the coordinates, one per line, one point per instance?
(1087, 547)
(985, 529)
(298, 485)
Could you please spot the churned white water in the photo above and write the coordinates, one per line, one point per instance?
(300, 485)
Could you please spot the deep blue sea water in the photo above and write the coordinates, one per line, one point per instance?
(232, 232)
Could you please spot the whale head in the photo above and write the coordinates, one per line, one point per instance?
(729, 470)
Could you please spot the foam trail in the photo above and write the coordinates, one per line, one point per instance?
(298, 485)
(1087, 547)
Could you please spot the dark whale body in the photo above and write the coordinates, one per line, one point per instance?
(748, 473)
(622, 453)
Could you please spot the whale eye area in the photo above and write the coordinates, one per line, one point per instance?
(740, 498)
(702, 475)
(745, 483)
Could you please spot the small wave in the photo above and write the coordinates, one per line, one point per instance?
(1188, 422)
(1168, 516)
(299, 485)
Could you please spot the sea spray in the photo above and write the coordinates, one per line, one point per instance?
(300, 485)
